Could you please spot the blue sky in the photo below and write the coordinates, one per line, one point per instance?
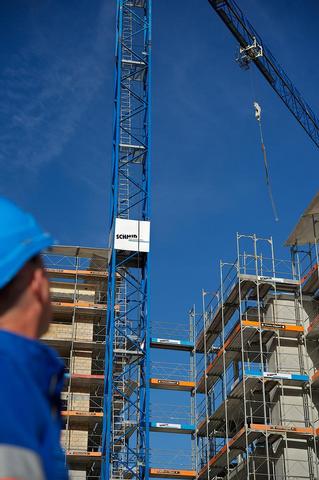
(56, 89)
(56, 93)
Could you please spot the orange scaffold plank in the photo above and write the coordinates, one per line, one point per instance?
(79, 413)
(80, 305)
(79, 456)
(85, 376)
(288, 329)
(171, 473)
(282, 429)
(76, 417)
(167, 384)
(68, 273)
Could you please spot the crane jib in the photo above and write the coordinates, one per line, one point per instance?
(243, 31)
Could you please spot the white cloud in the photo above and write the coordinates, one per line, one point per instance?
(47, 86)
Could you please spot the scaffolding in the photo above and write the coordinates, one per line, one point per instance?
(178, 418)
(78, 283)
(78, 280)
(256, 409)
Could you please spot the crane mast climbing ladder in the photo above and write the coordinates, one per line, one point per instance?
(125, 437)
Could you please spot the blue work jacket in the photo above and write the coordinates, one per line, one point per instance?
(31, 380)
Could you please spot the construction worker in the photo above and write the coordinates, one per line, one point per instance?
(31, 374)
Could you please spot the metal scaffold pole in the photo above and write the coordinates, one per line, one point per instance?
(125, 447)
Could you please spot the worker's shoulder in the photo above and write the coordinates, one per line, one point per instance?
(24, 410)
(13, 375)
(7, 361)
(31, 356)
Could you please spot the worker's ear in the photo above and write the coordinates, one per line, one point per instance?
(40, 285)
(41, 291)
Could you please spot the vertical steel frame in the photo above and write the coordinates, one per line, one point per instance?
(125, 447)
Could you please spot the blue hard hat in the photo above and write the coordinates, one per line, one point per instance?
(21, 238)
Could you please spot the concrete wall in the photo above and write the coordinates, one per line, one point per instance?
(287, 406)
(77, 474)
(283, 356)
(81, 363)
(282, 308)
(77, 401)
(292, 460)
(75, 438)
(67, 292)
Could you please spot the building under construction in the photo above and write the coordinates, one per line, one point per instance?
(78, 287)
(257, 354)
(251, 369)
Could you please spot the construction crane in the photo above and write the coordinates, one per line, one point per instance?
(126, 425)
(252, 49)
(125, 446)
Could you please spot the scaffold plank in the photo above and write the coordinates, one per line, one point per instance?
(171, 473)
(167, 384)
(291, 431)
(88, 307)
(71, 274)
(76, 417)
(179, 428)
(172, 344)
(82, 457)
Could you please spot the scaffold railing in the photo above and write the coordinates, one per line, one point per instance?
(172, 330)
(77, 259)
(255, 381)
(171, 371)
(171, 412)
(176, 459)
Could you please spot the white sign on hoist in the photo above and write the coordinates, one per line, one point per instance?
(132, 235)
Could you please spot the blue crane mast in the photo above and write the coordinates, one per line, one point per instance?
(125, 445)
(253, 49)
